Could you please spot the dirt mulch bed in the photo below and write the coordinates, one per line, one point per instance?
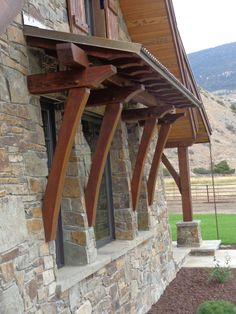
(190, 288)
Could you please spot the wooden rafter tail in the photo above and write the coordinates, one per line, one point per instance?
(134, 115)
(162, 139)
(108, 96)
(148, 131)
(171, 170)
(71, 55)
(64, 80)
(109, 125)
(76, 103)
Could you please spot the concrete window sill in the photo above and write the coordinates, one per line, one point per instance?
(69, 276)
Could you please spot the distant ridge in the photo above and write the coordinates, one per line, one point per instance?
(215, 68)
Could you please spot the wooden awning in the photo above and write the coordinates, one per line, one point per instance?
(110, 73)
(135, 65)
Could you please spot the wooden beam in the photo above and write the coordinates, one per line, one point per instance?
(162, 139)
(64, 80)
(71, 55)
(109, 125)
(170, 118)
(185, 183)
(148, 130)
(146, 99)
(171, 170)
(108, 96)
(76, 103)
(134, 115)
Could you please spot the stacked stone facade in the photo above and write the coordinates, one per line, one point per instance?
(125, 277)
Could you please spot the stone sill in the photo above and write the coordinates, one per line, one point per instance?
(68, 276)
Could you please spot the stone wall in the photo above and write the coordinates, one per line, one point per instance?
(29, 279)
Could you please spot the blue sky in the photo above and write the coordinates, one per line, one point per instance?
(206, 23)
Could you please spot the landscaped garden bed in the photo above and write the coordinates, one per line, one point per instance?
(190, 288)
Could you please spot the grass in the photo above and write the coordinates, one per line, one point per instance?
(227, 226)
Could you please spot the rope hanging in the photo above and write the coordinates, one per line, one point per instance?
(214, 192)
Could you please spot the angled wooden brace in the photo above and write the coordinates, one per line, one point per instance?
(162, 139)
(76, 103)
(171, 170)
(166, 124)
(148, 130)
(109, 124)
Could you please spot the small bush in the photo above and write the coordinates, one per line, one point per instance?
(223, 168)
(216, 307)
(201, 170)
(166, 172)
(219, 273)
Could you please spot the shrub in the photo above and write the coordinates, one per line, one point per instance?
(219, 273)
(216, 307)
(223, 168)
(201, 170)
(166, 172)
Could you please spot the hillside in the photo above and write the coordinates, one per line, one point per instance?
(223, 122)
(215, 68)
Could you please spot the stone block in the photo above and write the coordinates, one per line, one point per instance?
(17, 86)
(35, 166)
(72, 187)
(11, 301)
(189, 233)
(13, 229)
(75, 255)
(86, 308)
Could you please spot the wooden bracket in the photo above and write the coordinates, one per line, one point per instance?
(108, 128)
(162, 139)
(76, 103)
(148, 130)
(71, 55)
(134, 115)
(171, 170)
(60, 81)
(111, 95)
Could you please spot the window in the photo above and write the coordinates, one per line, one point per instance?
(94, 17)
(48, 117)
(104, 227)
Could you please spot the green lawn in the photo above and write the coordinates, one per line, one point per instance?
(227, 226)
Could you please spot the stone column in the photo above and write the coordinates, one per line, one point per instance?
(134, 138)
(189, 233)
(126, 226)
(79, 238)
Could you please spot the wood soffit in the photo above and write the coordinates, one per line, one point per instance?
(135, 65)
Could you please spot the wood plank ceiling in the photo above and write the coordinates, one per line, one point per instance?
(152, 23)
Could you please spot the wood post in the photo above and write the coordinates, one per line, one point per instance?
(76, 103)
(185, 183)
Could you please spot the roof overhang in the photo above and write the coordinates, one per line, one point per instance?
(135, 65)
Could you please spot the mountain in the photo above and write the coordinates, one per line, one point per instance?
(223, 121)
(215, 68)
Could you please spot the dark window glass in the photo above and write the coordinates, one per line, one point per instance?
(89, 15)
(104, 227)
(48, 117)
